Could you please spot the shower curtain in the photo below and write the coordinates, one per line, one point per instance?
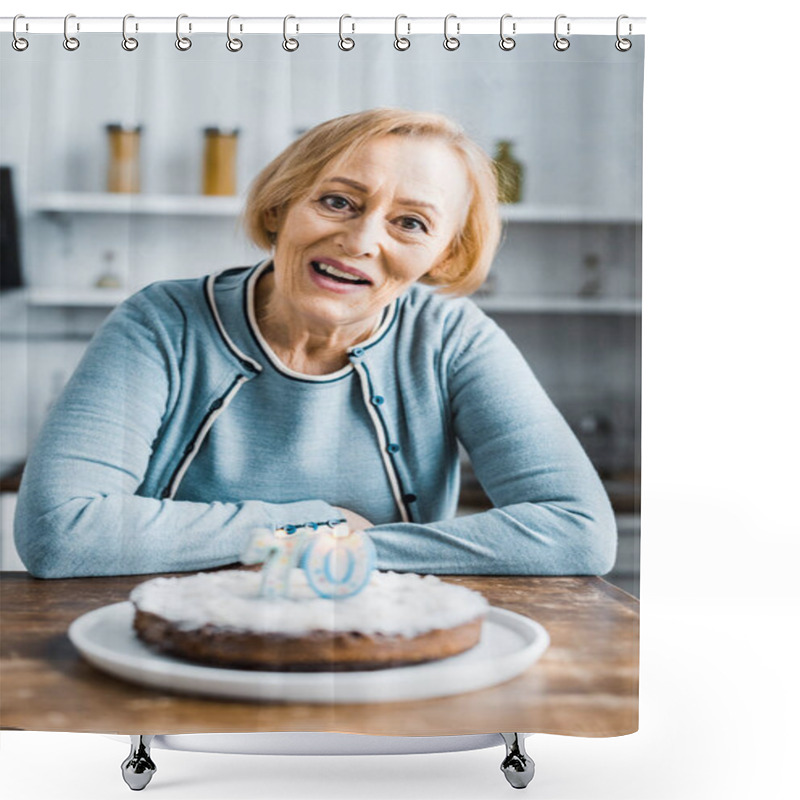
(130, 166)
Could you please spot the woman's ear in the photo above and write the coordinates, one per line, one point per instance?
(271, 225)
(271, 220)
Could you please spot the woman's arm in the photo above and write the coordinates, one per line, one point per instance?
(551, 515)
(79, 512)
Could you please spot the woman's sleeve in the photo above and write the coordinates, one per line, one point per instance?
(551, 515)
(79, 513)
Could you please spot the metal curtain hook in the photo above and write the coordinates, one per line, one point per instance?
(234, 45)
(561, 43)
(70, 42)
(128, 42)
(507, 42)
(400, 42)
(18, 43)
(290, 45)
(451, 42)
(623, 45)
(182, 42)
(346, 43)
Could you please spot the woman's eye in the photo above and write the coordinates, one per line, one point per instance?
(335, 201)
(412, 224)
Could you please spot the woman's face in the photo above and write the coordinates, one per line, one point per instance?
(371, 226)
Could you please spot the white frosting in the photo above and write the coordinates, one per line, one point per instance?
(391, 603)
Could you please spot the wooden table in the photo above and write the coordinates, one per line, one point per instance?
(586, 684)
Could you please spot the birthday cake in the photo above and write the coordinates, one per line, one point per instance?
(223, 619)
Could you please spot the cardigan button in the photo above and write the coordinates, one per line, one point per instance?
(393, 448)
(409, 498)
(377, 400)
(357, 352)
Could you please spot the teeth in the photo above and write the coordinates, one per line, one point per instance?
(337, 273)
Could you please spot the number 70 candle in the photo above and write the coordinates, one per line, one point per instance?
(337, 562)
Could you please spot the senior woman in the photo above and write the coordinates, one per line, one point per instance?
(335, 377)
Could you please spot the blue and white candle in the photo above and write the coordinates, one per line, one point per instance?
(338, 563)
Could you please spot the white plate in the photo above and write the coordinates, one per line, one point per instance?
(509, 644)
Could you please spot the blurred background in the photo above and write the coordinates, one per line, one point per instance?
(120, 169)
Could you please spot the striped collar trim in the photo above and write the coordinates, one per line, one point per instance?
(389, 315)
(212, 304)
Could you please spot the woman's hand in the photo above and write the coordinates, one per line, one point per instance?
(354, 521)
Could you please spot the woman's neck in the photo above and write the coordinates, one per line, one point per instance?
(304, 345)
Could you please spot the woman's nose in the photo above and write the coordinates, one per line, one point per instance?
(362, 235)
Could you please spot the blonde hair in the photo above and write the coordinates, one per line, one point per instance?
(293, 173)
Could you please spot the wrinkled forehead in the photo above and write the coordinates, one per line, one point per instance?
(423, 168)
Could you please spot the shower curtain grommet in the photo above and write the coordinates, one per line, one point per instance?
(622, 44)
(507, 42)
(345, 42)
(17, 42)
(289, 44)
(128, 42)
(561, 43)
(183, 43)
(234, 45)
(71, 43)
(451, 42)
(401, 42)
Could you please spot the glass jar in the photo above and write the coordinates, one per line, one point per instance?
(123, 158)
(509, 173)
(219, 162)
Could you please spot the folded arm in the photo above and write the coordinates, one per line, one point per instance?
(551, 515)
(80, 511)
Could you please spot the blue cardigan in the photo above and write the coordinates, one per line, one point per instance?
(96, 496)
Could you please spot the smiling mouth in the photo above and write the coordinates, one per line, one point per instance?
(338, 275)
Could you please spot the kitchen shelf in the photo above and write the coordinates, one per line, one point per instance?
(561, 305)
(76, 298)
(107, 298)
(528, 212)
(68, 203)
(106, 203)
(202, 205)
